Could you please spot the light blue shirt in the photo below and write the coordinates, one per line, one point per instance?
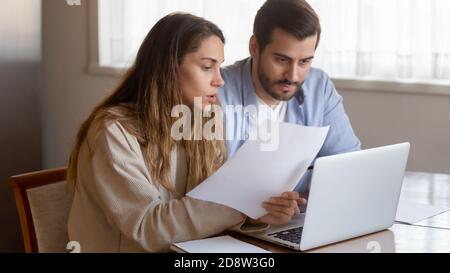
(318, 105)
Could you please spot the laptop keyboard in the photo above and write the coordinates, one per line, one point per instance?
(291, 235)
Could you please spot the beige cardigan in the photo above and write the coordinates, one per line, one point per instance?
(118, 208)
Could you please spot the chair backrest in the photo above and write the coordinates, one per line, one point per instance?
(43, 203)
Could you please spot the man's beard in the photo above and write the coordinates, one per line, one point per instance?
(267, 86)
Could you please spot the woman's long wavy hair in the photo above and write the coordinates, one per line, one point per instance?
(144, 99)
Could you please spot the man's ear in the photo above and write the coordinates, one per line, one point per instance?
(253, 46)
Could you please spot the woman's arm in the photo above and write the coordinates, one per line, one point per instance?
(117, 177)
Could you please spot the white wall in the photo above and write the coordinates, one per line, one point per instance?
(69, 93)
(20, 141)
(381, 118)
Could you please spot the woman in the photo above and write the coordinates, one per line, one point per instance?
(130, 176)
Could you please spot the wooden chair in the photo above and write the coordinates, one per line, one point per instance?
(43, 202)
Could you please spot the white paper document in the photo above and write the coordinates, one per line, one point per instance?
(253, 174)
(410, 212)
(223, 244)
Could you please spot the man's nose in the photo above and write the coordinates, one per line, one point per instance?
(292, 74)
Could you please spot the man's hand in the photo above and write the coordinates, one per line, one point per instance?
(280, 210)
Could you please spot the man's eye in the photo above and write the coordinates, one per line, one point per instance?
(305, 62)
(282, 60)
(207, 67)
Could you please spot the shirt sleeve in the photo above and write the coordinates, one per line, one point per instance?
(341, 137)
(133, 204)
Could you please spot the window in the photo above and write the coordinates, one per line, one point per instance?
(406, 40)
(123, 25)
(385, 39)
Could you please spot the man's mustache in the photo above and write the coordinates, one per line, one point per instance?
(287, 82)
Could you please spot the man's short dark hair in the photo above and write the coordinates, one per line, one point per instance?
(296, 17)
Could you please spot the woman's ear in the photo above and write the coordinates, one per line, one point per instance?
(253, 47)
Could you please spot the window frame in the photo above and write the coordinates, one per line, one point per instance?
(94, 67)
(341, 84)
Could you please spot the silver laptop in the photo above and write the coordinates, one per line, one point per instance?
(351, 195)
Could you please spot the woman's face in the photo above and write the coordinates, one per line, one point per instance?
(200, 73)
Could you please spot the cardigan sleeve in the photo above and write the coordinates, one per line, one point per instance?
(131, 201)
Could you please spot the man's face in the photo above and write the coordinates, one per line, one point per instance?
(283, 64)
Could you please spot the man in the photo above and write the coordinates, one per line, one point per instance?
(279, 75)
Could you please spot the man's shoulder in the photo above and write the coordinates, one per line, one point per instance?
(317, 81)
(233, 75)
(234, 70)
(317, 75)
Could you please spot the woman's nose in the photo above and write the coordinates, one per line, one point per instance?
(218, 80)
